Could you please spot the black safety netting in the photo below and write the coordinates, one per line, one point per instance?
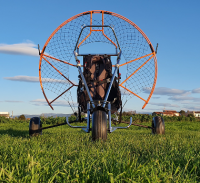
(134, 47)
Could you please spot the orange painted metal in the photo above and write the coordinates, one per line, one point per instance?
(90, 20)
(116, 15)
(133, 93)
(103, 30)
(127, 20)
(61, 94)
(94, 11)
(109, 39)
(102, 19)
(136, 59)
(58, 71)
(58, 60)
(135, 71)
(40, 78)
(154, 84)
(92, 30)
(84, 39)
(96, 30)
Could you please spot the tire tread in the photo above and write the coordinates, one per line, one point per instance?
(99, 125)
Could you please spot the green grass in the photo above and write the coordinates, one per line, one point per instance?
(63, 154)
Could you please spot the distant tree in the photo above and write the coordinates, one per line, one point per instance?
(22, 117)
(190, 115)
(182, 113)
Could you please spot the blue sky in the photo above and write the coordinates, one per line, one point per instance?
(173, 24)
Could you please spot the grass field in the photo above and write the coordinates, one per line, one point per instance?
(63, 154)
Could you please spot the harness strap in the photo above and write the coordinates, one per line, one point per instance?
(99, 82)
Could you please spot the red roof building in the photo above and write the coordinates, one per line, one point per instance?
(167, 113)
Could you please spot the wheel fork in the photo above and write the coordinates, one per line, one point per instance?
(110, 128)
(85, 128)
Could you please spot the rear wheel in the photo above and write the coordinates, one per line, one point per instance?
(158, 125)
(99, 125)
(34, 126)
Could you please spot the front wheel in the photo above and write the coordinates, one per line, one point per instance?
(99, 125)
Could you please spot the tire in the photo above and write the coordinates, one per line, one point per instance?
(99, 125)
(34, 126)
(158, 125)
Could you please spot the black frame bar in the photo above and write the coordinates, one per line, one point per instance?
(96, 26)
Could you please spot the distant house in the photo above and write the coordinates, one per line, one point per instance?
(166, 113)
(157, 113)
(175, 113)
(5, 114)
(195, 113)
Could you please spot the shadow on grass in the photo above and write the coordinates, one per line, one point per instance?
(15, 133)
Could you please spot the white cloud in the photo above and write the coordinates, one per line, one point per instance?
(197, 90)
(39, 102)
(191, 108)
(163, 104)
(42, 102)
(35, 79)
(27, 48)
(167, 91)
(155, 97)
(180, 98)
(23, 78)
(184, 98)
(124, 92)
(12, 101)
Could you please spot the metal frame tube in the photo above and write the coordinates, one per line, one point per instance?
(126, 126)
(88, 116)
(80, 71)
(52, 126)
(86, 87)
(115, 128)
(85, 128)
(96, 26)
(109, 117)
(109, 88)
(111, 82)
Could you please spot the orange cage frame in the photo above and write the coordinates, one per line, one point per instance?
(152, 54)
